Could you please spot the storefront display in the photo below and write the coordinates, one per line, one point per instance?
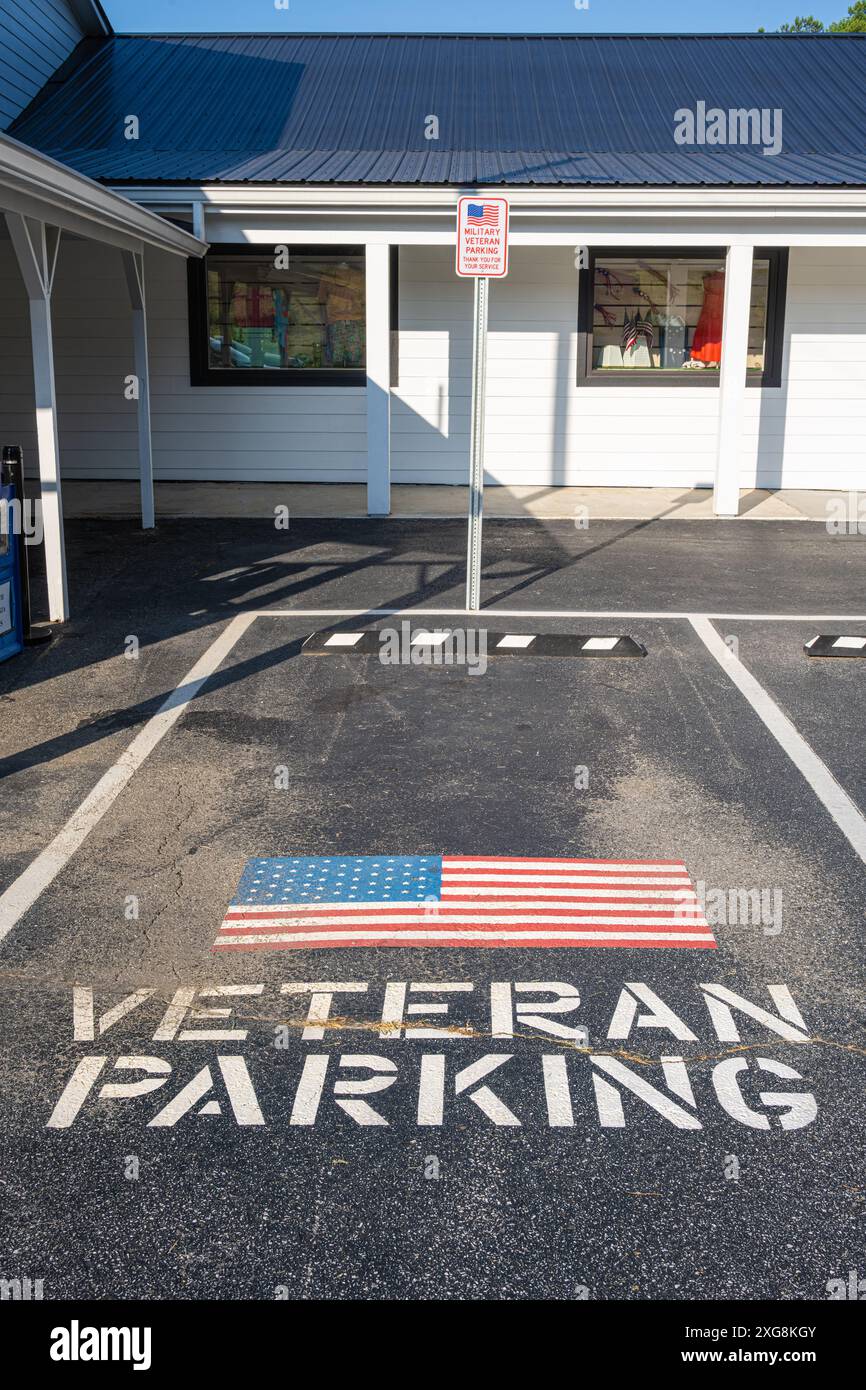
(662, 316)
(341, 291)
(707, 341)
(307, 314)
(638, 339)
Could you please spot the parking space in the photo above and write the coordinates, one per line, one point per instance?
(824, 698)
(513, 1119)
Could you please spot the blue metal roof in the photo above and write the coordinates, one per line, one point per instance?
(541, 109)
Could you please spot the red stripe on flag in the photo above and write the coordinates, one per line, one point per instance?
(463, 859)
(517, 924)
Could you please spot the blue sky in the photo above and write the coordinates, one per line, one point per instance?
(468, 16)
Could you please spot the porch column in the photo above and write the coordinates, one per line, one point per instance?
(133, 265)
(378, 380)
(36, 246)
(732, 386)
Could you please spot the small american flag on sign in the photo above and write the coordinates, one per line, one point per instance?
(483, 214)
(434, 900)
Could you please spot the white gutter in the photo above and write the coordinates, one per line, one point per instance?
(39, 186)
(524, 201)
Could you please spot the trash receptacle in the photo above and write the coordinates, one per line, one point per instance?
(11, 630)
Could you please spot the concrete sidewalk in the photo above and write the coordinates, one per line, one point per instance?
(180, 500)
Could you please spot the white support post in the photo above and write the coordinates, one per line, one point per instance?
(36, 248)
(133, 265)
(476, 443)
(199, 220)
(732, 386)
(378, 261)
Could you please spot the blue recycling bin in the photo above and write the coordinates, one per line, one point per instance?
(11, 631)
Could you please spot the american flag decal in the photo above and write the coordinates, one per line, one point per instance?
(303, 902)
(483, 214)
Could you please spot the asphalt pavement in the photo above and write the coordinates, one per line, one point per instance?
(177, 1124)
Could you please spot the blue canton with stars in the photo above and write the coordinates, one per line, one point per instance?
(361, 878)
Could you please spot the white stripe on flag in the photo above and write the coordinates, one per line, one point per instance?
(464, 935)
(577, 904)
(567, 894)
(341, 919)
(596, 866)
(590, 880)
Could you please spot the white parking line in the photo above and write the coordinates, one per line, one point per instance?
(24, 891)
(555, 613)
(833, 798)
(20, 896)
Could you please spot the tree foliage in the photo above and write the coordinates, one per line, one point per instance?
(803, 25)
(853, 23)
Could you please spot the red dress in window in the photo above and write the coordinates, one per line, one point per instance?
(707, 342)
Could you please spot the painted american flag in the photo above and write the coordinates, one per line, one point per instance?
(314, 902)
(483, 214)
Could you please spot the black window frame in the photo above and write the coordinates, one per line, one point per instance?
(201, 373)
(777, 288)
(394, 313)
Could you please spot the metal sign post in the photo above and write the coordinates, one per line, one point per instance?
(476, 445)
(482, 252)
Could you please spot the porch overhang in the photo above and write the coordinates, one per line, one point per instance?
(42, 200)
(542, 217)
(41, 188)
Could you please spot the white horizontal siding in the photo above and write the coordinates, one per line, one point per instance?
(541, 429)
(199, 433)
(36, 36)
(811, 432)
(17, 422)
(259, 433)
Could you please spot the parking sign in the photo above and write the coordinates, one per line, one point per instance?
(482, 237)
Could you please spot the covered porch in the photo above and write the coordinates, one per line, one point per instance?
(44, 205)
(793, 429)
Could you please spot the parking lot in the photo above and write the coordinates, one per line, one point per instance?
(652, 1115)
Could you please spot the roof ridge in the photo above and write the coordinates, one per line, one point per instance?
(456, 34)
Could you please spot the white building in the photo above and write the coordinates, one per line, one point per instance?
(686, 299)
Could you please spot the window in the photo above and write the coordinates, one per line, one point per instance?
(258, 317)
(655, 317)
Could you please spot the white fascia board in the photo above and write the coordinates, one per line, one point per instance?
(539, 217)
(270, 226)
(396, 237)
(552, 201)
(65, 198)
